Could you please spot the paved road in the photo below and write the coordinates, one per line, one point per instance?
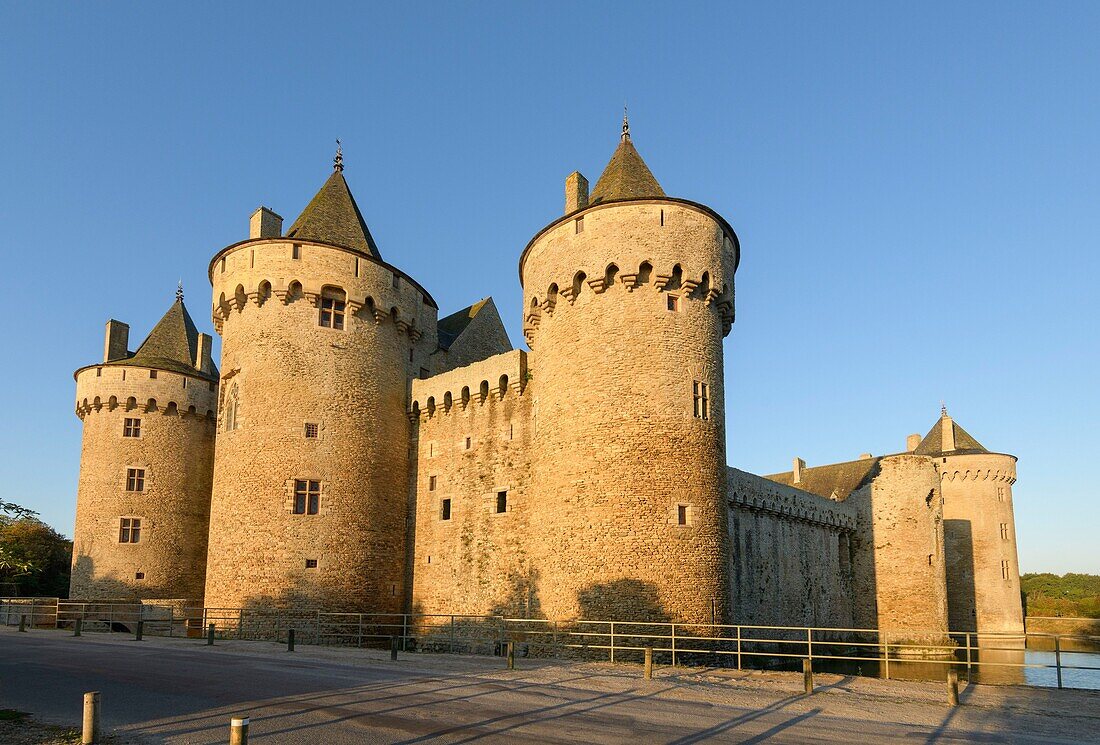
(182, 692)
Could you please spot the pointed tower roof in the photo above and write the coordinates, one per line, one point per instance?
(332, 216)
(948, 437)
(626, 175)
(172, 345)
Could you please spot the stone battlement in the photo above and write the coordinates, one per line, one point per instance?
(110, 386)
(473, 384)
(756, 493)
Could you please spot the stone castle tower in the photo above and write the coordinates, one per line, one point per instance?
(371, 456)
(143, 500)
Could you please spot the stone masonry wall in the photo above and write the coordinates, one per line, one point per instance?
(176, 449)
(790, 558)
(617, 448)
(980, 534)
(285, 370)
(470, 447)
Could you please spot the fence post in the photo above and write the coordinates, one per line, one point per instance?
(171, 621)
(1058, 658)
(808, 675)
(810, 643)
(238, 731)
(140, 629)
(77, 626)
(886, 652)
(952, 687)
(452, 634)
(554, 651)
(649, 663)
(240, 635)
(91, 718)
(969, 674)
(511, 647)
(738, 647)
(612, 641)
(22, 623)
(674, 645)
(290, 640)
(210, 635)
(404, 631)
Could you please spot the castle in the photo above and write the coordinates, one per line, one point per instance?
(357, 452)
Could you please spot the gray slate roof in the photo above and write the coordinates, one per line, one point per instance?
(625, 177)
(839, 479)
(932, 444)
(450, 328)
(332, 216)
(172, 345)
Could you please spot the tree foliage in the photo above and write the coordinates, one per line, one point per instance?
(34, 558)
(1067, 595)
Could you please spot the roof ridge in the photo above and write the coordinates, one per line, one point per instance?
(333, 216)
(626, 176)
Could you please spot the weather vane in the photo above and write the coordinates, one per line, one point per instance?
(179, 292)
(626, 126)
(338, 161)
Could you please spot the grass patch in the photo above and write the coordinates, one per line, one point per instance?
(11, 715)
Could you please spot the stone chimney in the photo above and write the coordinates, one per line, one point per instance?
(947, 443)
(911, 442)
(865, 456)
(114, 345)
(796, 475)
(265, 224)
(202, 354)
(576, 192)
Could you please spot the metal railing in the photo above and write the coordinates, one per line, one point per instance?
(1070, 660)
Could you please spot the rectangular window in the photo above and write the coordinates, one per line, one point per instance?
(153, 374)
(431, 483)
(701, 395)
(311, 430)
(673, 302)
(502, 502)
(396, 281)
(469, 443)
(296, 251)
(681, 514)
(129, 529)
(311, 563)
(99, 372)
(332, 313)
(445, 510)
(579, 223)
(131, 427)
(135, 479)
(1004, 570)
(1000, 494)
(411, 353)
(307, 497)
(1004, 531)
(139, 576)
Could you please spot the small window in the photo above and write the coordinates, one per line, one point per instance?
(1000, 490)
(311, 563)
(99, 372)
(311, 430)
(139, 576)
(445, 510)
(307, 497)
(223, 265)
(135, 479)
(212, 385)
(929, 559)
(231, 409)
(681, 514)
(296, 251)
(701, 396)
(1004, 531)
(396, 281)
(411, 353)
(131, 427)
(432, 482)
(502, 502)
(1004, 570)
(129, 530)
(673, 302)
(469, 442)
(579, 224)
(332, 310)
(153, 374)
(423, 373)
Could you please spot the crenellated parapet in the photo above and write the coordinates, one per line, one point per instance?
(286, 271)
(110, 387)
(477, 384)
(980, 467)
(757, 494)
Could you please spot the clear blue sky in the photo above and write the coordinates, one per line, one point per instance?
(916, 187)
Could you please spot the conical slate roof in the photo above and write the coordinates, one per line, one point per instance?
(172, 345)
(932, 444)
(625, 177)
(332, 216)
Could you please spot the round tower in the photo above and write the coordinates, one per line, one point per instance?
(320, 338)
(627, 298)
(146, 464)
(983, 572)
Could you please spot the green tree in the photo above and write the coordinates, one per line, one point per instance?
(34, 558)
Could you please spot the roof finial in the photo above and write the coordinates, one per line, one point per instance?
(626, 127)
(338, 161)
(179, 292)
(943, 408)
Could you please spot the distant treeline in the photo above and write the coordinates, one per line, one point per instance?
(1069, 595)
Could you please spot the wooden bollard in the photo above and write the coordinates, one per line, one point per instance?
(393, 648)
(952, 687)
(139, 631)
(290, 640)
(210, 635)
(90, 732)
(511, 650)
(22, 623)
(78, 627)
(649, 663)
(238, 731)
(808, 675)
